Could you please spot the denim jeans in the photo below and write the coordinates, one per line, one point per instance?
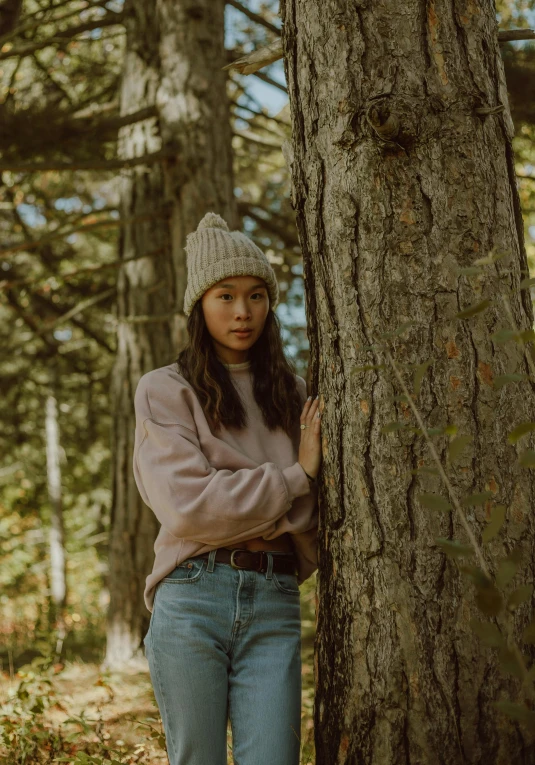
(226, 644)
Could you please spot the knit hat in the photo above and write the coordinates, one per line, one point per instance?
(214, 252)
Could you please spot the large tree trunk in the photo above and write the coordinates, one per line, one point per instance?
(173, 64)
(398, 182)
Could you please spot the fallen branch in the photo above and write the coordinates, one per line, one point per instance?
(256, 60)
(506, 35)
(252, 62)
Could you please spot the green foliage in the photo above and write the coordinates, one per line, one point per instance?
(508, 567)
(519, 596)
(527, 458)
(27, 738)
(488, 633)
(489, 599)
(476, 500)
(454, 548)
(522, 430)
(496, 522)
(472, 310)
(425, 470)
(515, 711)
(393, 426)
(457, 447)
(500, 380)
(434, 502)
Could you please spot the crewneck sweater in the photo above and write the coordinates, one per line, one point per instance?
(211, 490)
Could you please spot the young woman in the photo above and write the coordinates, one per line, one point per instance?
(227, 450)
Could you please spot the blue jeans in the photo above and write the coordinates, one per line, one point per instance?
(226, 644)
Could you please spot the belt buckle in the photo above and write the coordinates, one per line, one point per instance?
(251, 552)
(232, 554)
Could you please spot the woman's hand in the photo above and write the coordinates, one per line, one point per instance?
(310, 446)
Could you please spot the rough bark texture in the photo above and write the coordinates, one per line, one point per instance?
(389, 204)
(174, 57)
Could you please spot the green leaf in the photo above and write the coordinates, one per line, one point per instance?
(472, 310)
(401, 397)
(527, 336)
(527, 459)
(497, 519)
(491, 258)
(519, 596)
(457, 446)
(434, 502)
(367, 368)
(393, 426)
(500, 380)
(476, 575)
(476, 500)
(508, 567)
(503, 336)
(515, 711)
(528, 635)
(520, 430)
(372, 347)
(470, 271)
(451, 430)
(489, 600)
(525, 284)
(509, 662)
(419, 375)
(454, 548)
(425, 470)
(488, 633)
(398, 331)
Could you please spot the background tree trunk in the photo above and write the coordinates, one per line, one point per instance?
(398, 182)
(56, 538)
(173, 63)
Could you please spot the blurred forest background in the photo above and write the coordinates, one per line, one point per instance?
(60, 170)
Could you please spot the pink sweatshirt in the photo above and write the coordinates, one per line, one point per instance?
(209, 491)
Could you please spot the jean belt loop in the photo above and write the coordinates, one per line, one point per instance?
(269, 571)
(211, 560)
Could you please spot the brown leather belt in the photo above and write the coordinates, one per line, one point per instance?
(285, 563)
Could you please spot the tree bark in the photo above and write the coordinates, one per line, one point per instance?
(173, 61)
(58, 569)
(397, 182)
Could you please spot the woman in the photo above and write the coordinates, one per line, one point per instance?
(226, 454)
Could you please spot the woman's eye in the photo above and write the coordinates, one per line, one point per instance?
(227, 294)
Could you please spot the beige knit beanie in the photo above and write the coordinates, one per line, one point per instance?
(214, 252)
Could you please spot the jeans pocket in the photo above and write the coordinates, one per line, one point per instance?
(286, 583)
(187, 572)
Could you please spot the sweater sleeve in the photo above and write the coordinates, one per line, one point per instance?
(192, 499)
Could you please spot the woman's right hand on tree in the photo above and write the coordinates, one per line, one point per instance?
(310, 446)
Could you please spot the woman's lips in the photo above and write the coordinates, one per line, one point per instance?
(243, 334)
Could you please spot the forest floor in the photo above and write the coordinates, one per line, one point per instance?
(106, 715)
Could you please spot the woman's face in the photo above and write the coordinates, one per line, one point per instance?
(236, 302)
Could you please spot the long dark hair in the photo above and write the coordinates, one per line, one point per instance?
(274, 384)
